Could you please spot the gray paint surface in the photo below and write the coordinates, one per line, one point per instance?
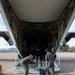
(38, 10)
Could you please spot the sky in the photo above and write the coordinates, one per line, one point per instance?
(72, 28)
(2, 24)
(4, 45)
(71, 42)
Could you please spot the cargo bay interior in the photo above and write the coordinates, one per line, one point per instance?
(43, 28)
(36, 37)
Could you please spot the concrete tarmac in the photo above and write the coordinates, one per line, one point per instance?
(9, 59)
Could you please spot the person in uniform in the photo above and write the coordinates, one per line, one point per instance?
(25, 61)
(49, 62)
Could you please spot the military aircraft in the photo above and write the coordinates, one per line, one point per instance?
(63, 40)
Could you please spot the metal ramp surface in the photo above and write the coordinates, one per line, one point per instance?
(38, 70)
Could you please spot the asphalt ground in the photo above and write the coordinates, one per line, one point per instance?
(9, 59)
